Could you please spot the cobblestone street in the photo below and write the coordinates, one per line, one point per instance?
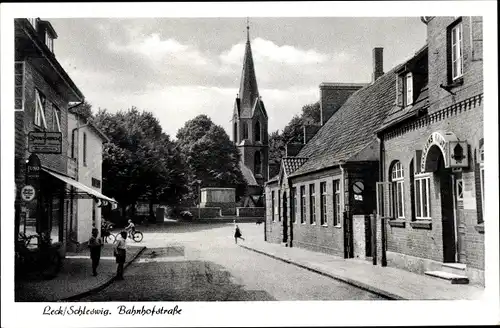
(201, 262)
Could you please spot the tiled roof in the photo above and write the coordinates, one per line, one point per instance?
(352, 128)
(291, 164)
(248, 175)
(273, 179)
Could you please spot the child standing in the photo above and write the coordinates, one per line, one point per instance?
(95, 245)
(121, 254)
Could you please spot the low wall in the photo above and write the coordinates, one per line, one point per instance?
(251, 212)
(205, 212)
(226, 208)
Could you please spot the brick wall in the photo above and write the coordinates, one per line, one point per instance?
(251, 211)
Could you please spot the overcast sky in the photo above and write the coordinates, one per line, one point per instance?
(181, 67)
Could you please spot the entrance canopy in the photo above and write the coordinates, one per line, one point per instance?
(80, 186)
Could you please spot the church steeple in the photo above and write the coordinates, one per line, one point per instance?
(248, 86)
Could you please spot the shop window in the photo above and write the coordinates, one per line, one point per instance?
(422, 196)
(312, 204)
(272, 206)
(455, 51)
(40, 103)
(19, 86)
(397, 179)
(323, 203)
(294, 205)
(336, 203)
(302, 204)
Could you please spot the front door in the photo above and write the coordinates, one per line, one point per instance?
(458, 190)
(447, 213)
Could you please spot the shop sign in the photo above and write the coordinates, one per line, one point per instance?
(455, 152)
(33, 168)
(45, 142)
(28, 193)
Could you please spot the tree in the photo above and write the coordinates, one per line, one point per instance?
(210, 155)
(84, 109)
(140, 161)
(292, 132)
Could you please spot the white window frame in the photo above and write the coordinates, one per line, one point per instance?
(303, 208)
(408, 89)
(460, 189)
(481, 176)
(323, 201)
(294, 207)
(397, 179)
(49, 41)
(33, 22)
(457, 51)
(56, 112)
(23, 82)
(336, 203)
(39, 118)
(312, 204)
(419, 199)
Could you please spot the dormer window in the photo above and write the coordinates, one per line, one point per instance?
(32, 22)
(404, 90)
(47, 34)
(49, 41)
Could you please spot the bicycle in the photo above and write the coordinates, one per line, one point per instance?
(108, 237)
(135, 235)
(45, 261)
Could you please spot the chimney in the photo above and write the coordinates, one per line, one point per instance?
(293, 149)
(310, 131)
(333, 96)
(378, 63)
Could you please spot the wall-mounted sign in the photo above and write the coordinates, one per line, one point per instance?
(45, 142)
(33, 169)
(28, 193)
(358, 187)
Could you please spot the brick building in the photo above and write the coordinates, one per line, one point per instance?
(432, 155)
(250, 131)
(43, 91)
(323, 196)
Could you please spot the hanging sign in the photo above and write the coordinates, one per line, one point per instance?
(28, 193)
(33, 168)
(45, 142)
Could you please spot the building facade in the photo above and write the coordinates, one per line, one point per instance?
(250, 129)
(432, 155)
(323, 196)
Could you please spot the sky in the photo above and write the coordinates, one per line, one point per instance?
(179, 68)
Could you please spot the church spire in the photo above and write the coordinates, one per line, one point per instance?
(248, 86)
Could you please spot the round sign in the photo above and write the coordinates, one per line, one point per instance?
(28, 193)
(358, 187)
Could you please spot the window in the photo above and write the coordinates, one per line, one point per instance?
(56, 125)
(460, 189)
(456, 51)
(323, 203)
(294, 205)
(32, 22)
(245, 131)
(257, 131)
(481, 175)
(408, 89)
(235, 132)
(422, 197)
(73, 145)
(312, 203)
(302, 204)
(40, 110)
(336, 203)
(272, 205)
(257, 163)
(19, 86)
(397, 178)
(84, 149)
(96, 183)
(279, 205)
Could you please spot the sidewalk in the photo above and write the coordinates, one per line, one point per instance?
(389, 282)
(75, 278)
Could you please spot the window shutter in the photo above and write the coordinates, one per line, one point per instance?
(409, 88)
(399, 91)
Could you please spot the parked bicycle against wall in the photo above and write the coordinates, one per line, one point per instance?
(44, 261)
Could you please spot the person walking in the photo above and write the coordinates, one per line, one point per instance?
(237, 234)
(95, 245)
(120, 254)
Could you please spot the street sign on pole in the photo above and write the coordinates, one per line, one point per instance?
(45, 142)
(28, 193)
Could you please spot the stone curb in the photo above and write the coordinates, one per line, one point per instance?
(349, 281)
(104, 285)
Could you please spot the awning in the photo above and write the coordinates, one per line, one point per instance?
(80, 186)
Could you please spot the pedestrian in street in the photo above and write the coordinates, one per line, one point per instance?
(95, 245)
(237, 234)
(120, 254)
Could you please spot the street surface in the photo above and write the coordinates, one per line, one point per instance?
(201, 262)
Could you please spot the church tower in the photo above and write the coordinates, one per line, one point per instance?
(249, 122)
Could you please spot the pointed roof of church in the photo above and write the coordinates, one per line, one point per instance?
(248, 92)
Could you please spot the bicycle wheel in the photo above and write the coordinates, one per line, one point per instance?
(137, 236)
(52, 266)
(110, 239)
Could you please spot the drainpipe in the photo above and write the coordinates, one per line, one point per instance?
(383, 220)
